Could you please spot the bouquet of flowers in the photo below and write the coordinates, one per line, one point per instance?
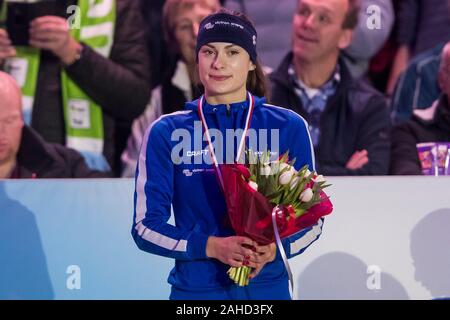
(269, 199)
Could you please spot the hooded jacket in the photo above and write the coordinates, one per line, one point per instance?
(193, 191)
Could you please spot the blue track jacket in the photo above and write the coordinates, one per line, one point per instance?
(194, 193)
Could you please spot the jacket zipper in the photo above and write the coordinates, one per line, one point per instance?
(228, 110)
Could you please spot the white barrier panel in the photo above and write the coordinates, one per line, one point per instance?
(388, 238)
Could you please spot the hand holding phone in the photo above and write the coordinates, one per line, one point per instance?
(21, 14)
(52, 33)
(42, 25)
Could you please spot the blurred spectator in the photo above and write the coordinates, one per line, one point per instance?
(273, 21)
(77, 82)
(417, 87)
(381, 64)
(160, 57)
(181, 19)
(348, 120)
(422, 25)
(376, 19)
(428, 125)
(157, 46)
(23, 153)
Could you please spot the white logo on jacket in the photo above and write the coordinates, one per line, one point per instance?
(189, 173)
(196, 153)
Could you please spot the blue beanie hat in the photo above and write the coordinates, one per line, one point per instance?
(225, 27)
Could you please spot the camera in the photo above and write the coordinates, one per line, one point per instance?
(21, 13)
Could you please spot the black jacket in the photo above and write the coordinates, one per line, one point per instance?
(405, 160)
(173, 98)
(39, 159)
(356, 117)
(120, 85)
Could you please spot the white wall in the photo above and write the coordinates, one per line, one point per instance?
(372, 225)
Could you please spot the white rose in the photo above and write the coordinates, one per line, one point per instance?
(285, 178)
(253, 185)
(306, 195)
(287, 175)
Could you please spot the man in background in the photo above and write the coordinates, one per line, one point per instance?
(348, 120)
(23, 153)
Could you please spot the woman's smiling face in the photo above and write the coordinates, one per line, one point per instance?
(223, 70)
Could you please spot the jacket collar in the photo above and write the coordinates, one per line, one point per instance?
(442, 115)
(426, 115)
(181, 80)
(438, 114)
(281, 74)
(208, 108)
(34, 153)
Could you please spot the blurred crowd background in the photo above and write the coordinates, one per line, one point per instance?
(371, 77)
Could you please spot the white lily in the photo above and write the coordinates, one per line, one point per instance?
(253, 185)
(306, 195)
(277, 166)
(265, 170)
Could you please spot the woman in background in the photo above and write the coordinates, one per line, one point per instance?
(181, 19)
